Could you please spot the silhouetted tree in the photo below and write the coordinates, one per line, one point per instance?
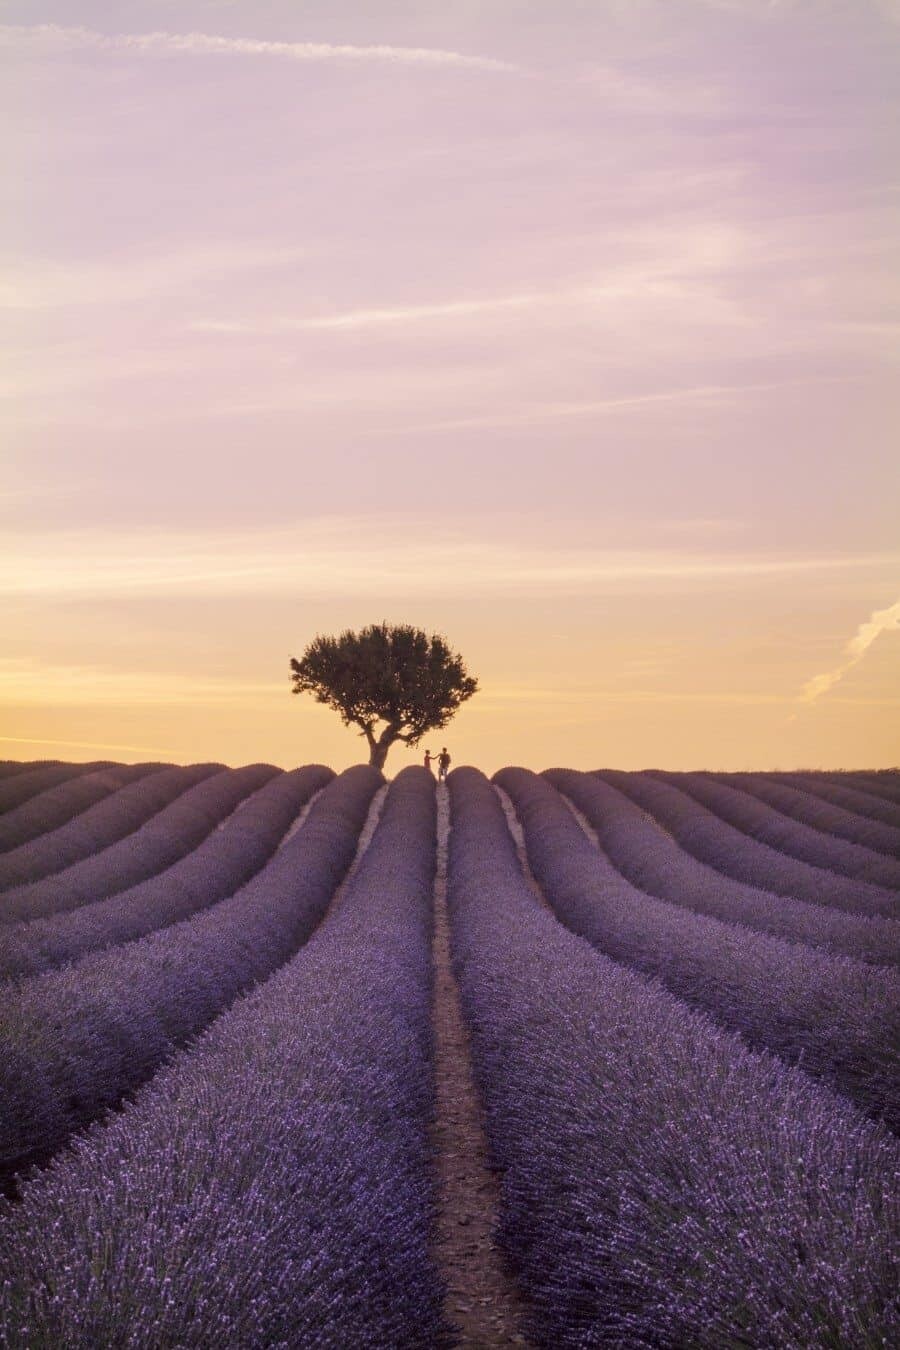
(388, 673)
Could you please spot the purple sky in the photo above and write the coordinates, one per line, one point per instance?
(568, 329)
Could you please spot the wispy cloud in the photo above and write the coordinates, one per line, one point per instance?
(880, 621)
(499, 696)
(56, 37)
(45, 284)
(681, 271)
(377, 317)
(28, 683)
(347, 557)
(632, 93)
(543, 412)
(91, 745)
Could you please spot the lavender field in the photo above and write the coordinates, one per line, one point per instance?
(297, 1058)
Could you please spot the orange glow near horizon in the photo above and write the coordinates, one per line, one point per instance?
(569, 333)
(584, 658)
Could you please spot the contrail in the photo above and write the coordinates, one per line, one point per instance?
(208, 44)
(880, 621)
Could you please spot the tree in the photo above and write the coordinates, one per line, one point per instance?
(388, 673)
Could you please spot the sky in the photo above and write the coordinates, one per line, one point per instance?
(568, 330)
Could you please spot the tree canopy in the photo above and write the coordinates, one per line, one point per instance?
(387, 673)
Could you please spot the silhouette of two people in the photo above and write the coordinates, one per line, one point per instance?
(443, 763)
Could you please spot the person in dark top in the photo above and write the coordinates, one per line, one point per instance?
(443, 765)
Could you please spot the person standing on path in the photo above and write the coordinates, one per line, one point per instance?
(429, 761)
(443, 765)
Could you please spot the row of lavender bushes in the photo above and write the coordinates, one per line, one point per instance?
(48, 810)
(844, 792)
(706, 836)
(759, 821)
(19, 787)
(662, 1186)
(884, 783)
(167, 836)
(102, 825)
(79, 1038)
(838, 1017)
(10, 767)
(222, 862)
(651, 860)
(272, 1186)
(812, 810)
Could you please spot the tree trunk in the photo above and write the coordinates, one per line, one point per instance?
(378, 755)
(378, 749)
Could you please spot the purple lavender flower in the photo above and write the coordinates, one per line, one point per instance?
(662, 1186)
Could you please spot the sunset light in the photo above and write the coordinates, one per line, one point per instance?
(575, 340)
(450, 697)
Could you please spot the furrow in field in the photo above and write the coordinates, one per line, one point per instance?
(768, 825)
(844, 794)
(884, 784)
(653, 861)
(482, 1300)
(101, 826)
(58, 805)
(273, 1185)
(661, 1184)
(9, 768)
(168, 836)
(837, 1017)
(834, 823)
(221, 863)
(20, 787)
(712, 840)
(78, 1039)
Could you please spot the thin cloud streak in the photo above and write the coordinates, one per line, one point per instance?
(46, 284)
(26, 683)
(377, 317)
(596, 698)
(347, 558)
(880, 621)
(550, 411)
(92, 745)
(57, 37)
(666, 279)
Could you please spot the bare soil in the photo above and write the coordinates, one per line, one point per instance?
(482, 1301)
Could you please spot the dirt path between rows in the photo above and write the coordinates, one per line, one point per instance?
(370, 825)
(518, 836)
(482, 1299)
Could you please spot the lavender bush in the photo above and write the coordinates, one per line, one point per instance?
(10, 767)
(654, 862)
(225, 860)
(758, 820)
(165, 838)
(105, 823)
(59, 804)
(839, 1018)
(78, 1039)
(812, 810)
(272, 1186)
(662, 1186)
(704, 835)
(35, 778)
(842, 793)
(884, 783)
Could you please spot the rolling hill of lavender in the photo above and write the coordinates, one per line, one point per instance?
(228, 1065)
